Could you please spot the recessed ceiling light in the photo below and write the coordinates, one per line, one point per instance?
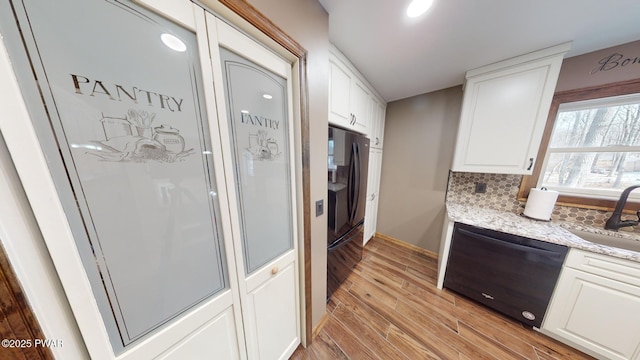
(267, 96)
(418, 7)
(173, 42)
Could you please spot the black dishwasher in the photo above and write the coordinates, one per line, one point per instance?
(511, 274)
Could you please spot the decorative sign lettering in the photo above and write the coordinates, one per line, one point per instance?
(85, 86)
(262, 146)
(614, 61)
(259, 121)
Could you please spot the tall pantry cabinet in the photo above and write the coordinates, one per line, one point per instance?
(375, 168)
(355, 105)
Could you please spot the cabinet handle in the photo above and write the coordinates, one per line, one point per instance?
(274, 270)
(377, 140)
(530, 164)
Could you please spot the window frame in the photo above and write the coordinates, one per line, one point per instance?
(569, 96)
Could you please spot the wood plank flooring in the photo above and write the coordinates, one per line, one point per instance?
(390, 308)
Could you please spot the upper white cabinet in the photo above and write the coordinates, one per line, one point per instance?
(359, 102)
(349, 95)
(376, 132)
(596, 306)
(504, 112)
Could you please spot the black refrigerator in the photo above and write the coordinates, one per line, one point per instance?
(348, 165)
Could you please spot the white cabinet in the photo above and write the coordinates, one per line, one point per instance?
(355, 106)
(596, 306)
(348, 95)
(376, 134)
(360, 107)
(340, 80)
(504, 112)
(373, 189)
(376, 130)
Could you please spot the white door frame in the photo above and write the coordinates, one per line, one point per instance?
(21, 238)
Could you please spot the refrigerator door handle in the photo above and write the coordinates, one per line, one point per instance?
(358, 178)
(351, 184)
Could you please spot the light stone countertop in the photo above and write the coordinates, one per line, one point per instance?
(550, 231)
(335, 187)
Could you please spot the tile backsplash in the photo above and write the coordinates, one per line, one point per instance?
(502, 193)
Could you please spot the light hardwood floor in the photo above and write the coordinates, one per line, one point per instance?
(390, 308)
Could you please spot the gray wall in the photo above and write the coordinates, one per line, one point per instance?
(606, 66)
(308, 23)
(420, 134)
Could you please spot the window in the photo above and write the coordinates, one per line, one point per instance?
(591, 148)
(594, 150)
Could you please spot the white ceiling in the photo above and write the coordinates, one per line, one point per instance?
(403, 57)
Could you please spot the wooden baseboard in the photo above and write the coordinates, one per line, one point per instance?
(403, 244)
(319, 326)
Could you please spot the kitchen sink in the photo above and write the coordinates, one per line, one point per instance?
(608, 240)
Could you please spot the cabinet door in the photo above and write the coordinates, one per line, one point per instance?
(373, 186)
(368, 223)
(340, 80)
(597, 314)
(503, 116)
(373, 121)
(376, 133)
(360, 109)
(382, 109)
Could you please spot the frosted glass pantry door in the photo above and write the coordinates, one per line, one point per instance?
(257, 101)
(125, 96)
(257, 110)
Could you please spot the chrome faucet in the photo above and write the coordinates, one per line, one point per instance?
(615, 222)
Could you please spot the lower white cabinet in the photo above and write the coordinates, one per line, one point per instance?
(373, 188)
(596, 306)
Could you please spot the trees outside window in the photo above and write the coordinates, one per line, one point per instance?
(594, 149)
(590, 151)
